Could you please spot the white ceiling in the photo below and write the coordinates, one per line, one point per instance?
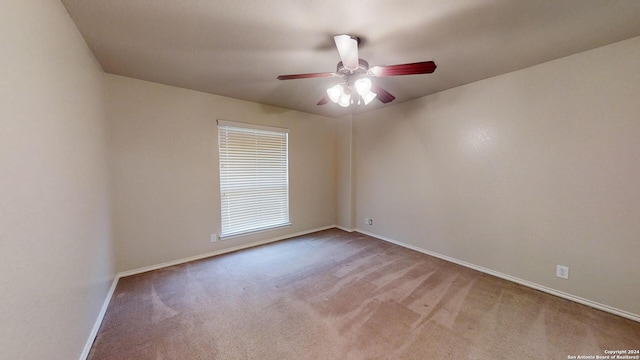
(237, 48)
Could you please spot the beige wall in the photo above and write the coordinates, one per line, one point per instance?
(165, 170)
(517, 173)
(345, 209)
(56, 261)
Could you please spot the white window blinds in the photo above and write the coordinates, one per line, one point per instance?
(254, 177)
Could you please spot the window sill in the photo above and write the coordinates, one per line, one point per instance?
(251, 232)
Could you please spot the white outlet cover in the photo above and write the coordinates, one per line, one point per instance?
(562, 272)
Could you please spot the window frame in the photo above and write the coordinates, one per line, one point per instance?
(270, 183)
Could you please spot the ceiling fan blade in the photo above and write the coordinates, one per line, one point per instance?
(348, 49)
(306, 76)
(323, 101)
(383, 95)
(424, 67)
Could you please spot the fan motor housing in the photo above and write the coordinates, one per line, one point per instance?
(363, 67)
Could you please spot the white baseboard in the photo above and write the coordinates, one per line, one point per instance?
(218, 252)
(343, 228)
(583, 301)
(96, 325)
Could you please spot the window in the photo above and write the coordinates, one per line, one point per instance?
(254, 177)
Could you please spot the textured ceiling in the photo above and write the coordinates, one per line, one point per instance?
(237, 48)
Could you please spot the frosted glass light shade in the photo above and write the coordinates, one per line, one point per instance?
(345, 100)
(334, 92)
(363, 86)
(368, 97)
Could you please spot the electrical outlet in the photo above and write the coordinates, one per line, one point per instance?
(370, 221)
(562, 272)
(214, 237)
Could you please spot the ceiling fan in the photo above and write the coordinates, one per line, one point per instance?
(356, 87)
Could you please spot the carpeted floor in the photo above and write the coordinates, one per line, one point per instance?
(339, 295)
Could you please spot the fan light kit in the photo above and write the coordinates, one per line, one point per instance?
(344, 94)
(356, 87)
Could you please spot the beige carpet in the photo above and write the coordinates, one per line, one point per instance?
(336, 295)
